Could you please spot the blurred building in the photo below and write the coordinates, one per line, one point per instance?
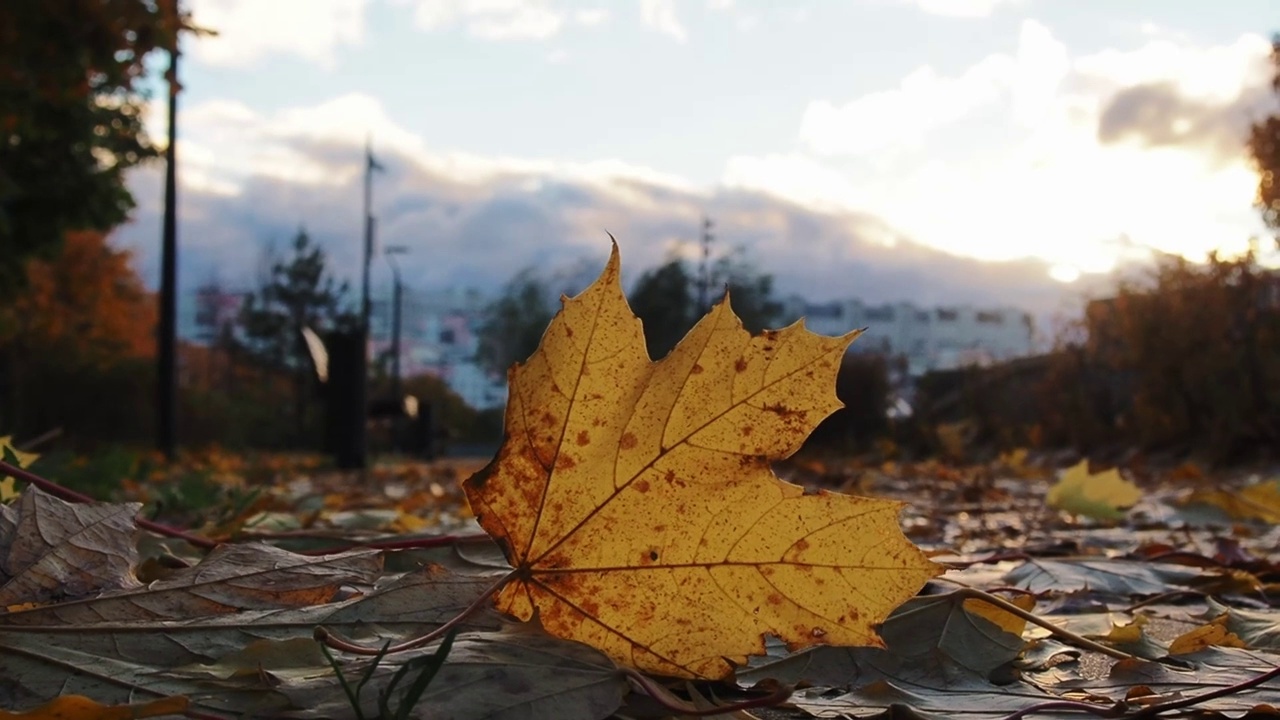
(438, 337)
(940, 338)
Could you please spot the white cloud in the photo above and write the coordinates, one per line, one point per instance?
(1217, 73)
(591, 16)
(661, 16)
(794, 177)
(959, 8)
(491, 19)
(1048, 186)
(925, 101)
(225, 144)
(251, 29)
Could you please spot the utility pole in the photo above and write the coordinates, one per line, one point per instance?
(396, 314)
(361, 399)
(369, 167)
(167, 333)
(704, 270)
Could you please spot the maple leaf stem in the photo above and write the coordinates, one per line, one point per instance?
(663, 697)
(326, 636)
(405, 544)
(69, 495)
(1158, 708)
(1146, 712)
(1099, 711)
(1061, 633)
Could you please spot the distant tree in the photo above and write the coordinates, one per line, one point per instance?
(71, 107)
(298, 292)
(1264, 147)
(750, 291)
(1193, 348)
(86, 305)
(663, 299)
(83, 316)
(512, 325)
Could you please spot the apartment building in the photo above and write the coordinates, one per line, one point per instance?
(438, 337)
(939, 338)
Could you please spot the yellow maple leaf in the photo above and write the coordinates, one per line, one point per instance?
(1102, 495)
(24, 459)
(1260, 501)
(636, 501)
(1214, 633)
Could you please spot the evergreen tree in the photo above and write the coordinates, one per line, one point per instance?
(71, 117)
(665, 299)
(297, 293)
(513, 324)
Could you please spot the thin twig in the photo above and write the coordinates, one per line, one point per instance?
(337, 642)
(1098, 710)
(72, 496)
(663, 697)
(407, 544)
(1156, 599)
(39, 440)
(1153, 710)
(1058, 632)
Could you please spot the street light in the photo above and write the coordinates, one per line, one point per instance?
(390, 252)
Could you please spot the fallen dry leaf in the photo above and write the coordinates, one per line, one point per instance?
(51, 549)
(1211, 634)
(636, 500)
(79, 707)
(1260, 501)
(1102, 495)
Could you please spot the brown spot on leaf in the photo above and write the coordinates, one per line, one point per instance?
(653, 555)
(659, 528)
(775, 599)
(740, 365)
(564, 462)
(801, 545)
(746, 430)
(627, 441)
(696, 369)
(584, 438)
(642, 486)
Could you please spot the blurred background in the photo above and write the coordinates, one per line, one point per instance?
(1055, 220)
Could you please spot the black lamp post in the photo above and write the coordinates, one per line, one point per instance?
(396, 309)
(167, 332)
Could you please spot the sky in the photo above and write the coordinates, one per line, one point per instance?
(992, 152)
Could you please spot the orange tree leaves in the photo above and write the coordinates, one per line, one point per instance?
(636, 501)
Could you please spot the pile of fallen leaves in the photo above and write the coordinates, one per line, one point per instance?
(639, 558)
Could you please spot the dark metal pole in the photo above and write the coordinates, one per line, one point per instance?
(395, 334)
(167, 388)
(362, 399)
(704, 272)
(368, 237)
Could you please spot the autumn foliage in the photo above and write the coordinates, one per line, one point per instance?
(86, 305)
(76, 344)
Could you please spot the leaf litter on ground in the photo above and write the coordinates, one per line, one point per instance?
(1185, 581)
